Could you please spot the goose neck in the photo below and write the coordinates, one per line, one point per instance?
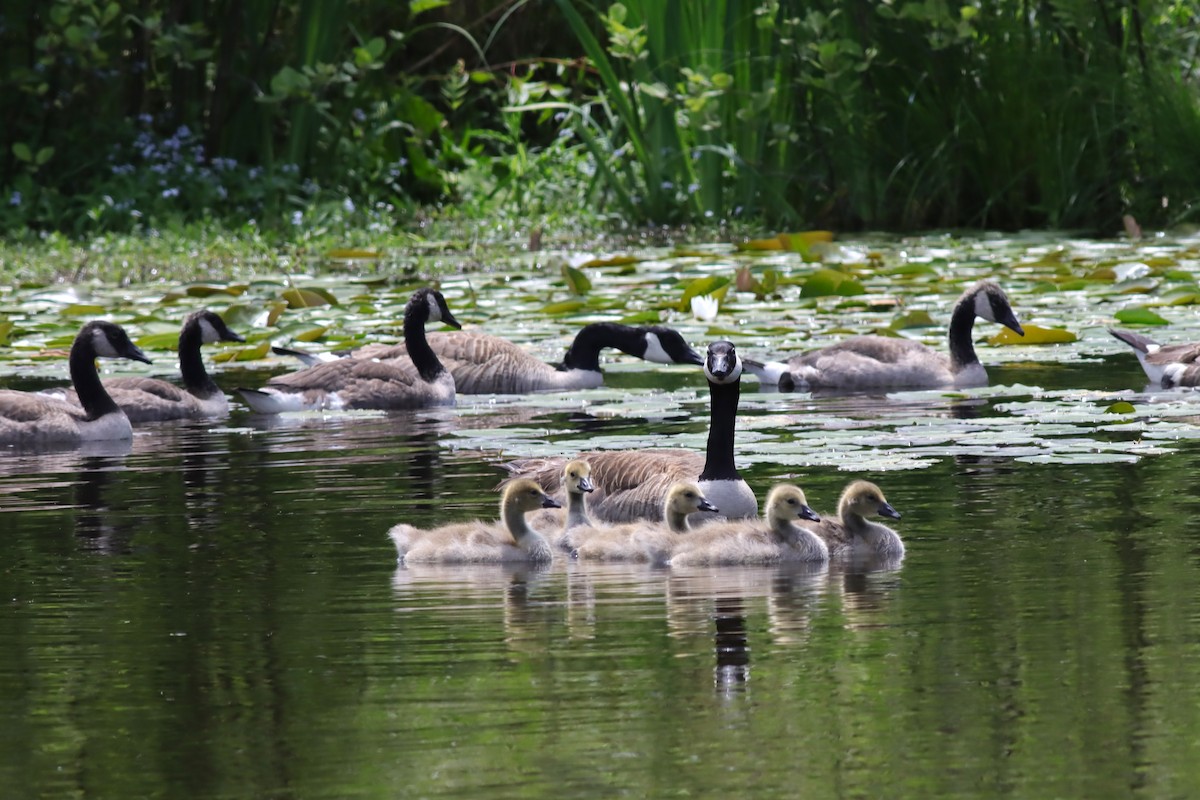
(962, 325)
(577, 510)
(191, 365)
(723, 405)
(584, 352)
(92, 395)
(424, 359)
(677, 521)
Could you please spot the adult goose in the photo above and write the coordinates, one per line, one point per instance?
(149, 399)
(882, 362)
(32, 418)
(850, 533)
(478, 542)
(353, 383)
(775, 539)
(633, 484)
(1168, 366)
(485, 364)
(643, 540)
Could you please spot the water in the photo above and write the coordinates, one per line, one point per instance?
(218, 614)
(213, 610)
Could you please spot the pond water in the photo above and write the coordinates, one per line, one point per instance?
(213, 610)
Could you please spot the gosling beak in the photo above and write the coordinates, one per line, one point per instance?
(886, 510)
(707, 506)
(132, 351)
(585, 485)
(550, 502)
(810, 515)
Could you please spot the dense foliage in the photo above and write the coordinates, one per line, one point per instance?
(295, 114)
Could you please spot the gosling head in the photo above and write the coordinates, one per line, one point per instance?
(722, 364)
(429, 304)
(991, 303)
(866, 499)
(666, 346)
(577, 477)
(686, 498)
(526, 495)
(786, 503)
(212, 327)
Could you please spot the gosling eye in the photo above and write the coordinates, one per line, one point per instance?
(690, 496)
(791, 501)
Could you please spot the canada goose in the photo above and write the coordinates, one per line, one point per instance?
(577, 481)
(149, 399)
(485, 364)
(30, 418)
(632, 484)
(1168, 366)
(361, 383)
(882, 362)
(645, 540)
(850, 533)
(510, 539)
(766, 541)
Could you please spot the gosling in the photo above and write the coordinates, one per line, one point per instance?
(507, 540)
(850, 533)
(645, 541)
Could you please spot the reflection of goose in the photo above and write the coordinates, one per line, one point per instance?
(148, 399)
(351, 383)
(633, 484)
(851, 533)
(485, 364)
(1166, 365)
(775, 538)
(481, 542)
(645, 540)
(28, 418)
(883, 362)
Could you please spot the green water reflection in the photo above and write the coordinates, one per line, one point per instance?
(218, 614)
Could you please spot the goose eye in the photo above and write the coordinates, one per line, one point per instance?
(791, 501)
(690, 496)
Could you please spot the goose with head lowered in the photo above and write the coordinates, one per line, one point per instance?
(850, 533)
(485, 364)
(644, 540)
(777, 538)
(883, 362)
(149, 399)
(352, 383)
(1168, 366)
(478, 542)
(632, 484)
(29, 418)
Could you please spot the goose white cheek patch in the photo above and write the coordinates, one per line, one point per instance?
(103, 346)
(983, 307)
(655, 351)
(435, 311)
(208, 333)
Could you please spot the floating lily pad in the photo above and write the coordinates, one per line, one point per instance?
(1034, 334)
(1139, 316)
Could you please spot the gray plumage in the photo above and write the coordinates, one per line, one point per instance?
(850, 533)
(1168, 366)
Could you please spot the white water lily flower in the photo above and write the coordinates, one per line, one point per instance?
(705, 307)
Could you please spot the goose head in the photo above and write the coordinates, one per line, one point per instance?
(686, 498)
(212, 327)
(110, 341)
(429, 305)
(577, 477)
(722, 364)
(786, 503)
(667, 346)
(525, 495)
(991, 303)
(866, 500)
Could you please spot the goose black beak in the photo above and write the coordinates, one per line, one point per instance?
(448, 319)
(692, 357)
(230, 336)
(707, 506)
(1010, 321)
(133, 352)
(585, 485)
(810, 515)
(550, 502)
(886, 510)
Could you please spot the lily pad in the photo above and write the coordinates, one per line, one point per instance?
(1139, 316)
(1034, 334)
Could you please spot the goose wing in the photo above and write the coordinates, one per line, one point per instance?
(155, 388)
(872, 361)
(359, 384)
(26, 417)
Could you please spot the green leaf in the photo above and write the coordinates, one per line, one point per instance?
(641, 318)
(576, 281)
(716, 285)
(308, 298)
(826, 282)
(1034, 334)
(416, 7)
(22, 152)
(43, 155)
(1139, 315)
(565, 307)
(913, 319)
(1120, 407)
